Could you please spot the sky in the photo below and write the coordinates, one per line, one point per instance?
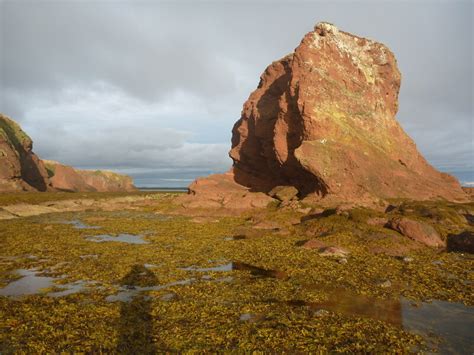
(153, 88)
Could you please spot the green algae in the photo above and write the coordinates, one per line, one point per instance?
(205, 315)
(12, 133)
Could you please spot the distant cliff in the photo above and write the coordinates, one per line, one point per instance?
(22, 170)
(66, 178)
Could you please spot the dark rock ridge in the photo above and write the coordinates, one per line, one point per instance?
(322, 119)
(20, 168)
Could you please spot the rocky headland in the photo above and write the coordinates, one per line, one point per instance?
(23, 170)
(323, 121)
(66, 178)
(20, 168)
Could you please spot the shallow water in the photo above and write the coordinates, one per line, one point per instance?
(31, 283)
(126, 294)
(254, 270)
(80, 225)
(235, 237)
(123, 238)
(28, 284)
(452, 323)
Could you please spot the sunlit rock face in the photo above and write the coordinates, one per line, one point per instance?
(107, 181)
(66, 178)
(323, 120)
(20, 168)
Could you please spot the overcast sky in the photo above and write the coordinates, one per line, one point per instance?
(153, 88)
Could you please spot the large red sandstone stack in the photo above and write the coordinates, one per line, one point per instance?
(20, 168)
(323, 120)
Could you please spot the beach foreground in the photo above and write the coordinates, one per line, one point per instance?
(136, 272)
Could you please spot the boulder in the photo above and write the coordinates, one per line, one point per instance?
(334, 252)
(20, 168)
(322, 120)
(221, 191)
(284, 193)
(314, 244)
(377, 221)
(418, 231)
(462, 242)
(469, 191)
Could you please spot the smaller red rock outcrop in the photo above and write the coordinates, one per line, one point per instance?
(221, 190)
(66, 178)
(107, 181)
(20, 168)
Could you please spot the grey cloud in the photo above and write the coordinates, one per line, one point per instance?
(150, 85)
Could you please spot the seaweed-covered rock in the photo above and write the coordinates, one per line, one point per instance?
(20, 168)
(314, 244)
(418, 231)
(462, 242)
(284, 193)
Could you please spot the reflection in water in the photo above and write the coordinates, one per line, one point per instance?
(254, 270)
(80, 225)
(136, 323)
(28, 284)
(123, 238)
(351, 304)
(452, 322)
(31, 283)
(128, 293)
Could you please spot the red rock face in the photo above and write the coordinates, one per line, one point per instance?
(107, 181)
(323, 120)
(66, 178)
(20, 168)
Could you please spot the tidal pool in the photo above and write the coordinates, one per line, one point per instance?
(31, 283)
(447, 326)
(127, 293)
(254, 270)
(123, 238)
(28, 284)
(80, 225)
(452, 322)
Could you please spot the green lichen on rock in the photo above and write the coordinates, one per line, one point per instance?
(13, 133)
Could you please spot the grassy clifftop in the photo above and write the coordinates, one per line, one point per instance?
(12, 133)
